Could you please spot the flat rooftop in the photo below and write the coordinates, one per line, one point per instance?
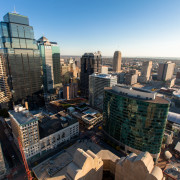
(157, 100)
(51, 124)
(23, 117)
(55, 167)
(106, 76)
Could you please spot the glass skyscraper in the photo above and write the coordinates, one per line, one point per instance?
(50, 55)
(135, 118)
(22, 57)
(90, 63)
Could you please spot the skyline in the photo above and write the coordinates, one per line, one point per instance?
(136, 28)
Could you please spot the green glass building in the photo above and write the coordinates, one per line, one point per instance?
(135, 118)
(50, 55)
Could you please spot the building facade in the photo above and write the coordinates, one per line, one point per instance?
(70, 91)
(135, 119)
(38, 135)
(117, 62)
(90, 63)
(5, 93)
(22, 57)
(165, 71)
(50, 54)
(146, 71)
(2, 164)
(97, 83)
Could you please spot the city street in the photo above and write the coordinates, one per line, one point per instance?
(15, 169)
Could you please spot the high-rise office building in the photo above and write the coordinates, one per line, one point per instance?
(22, 57)
(70, 91)
(165, 71)
(97, 83)
(146, 71)
(135, 119)
(117, 61)
(90, 63)
(5, 94)
(50, 54)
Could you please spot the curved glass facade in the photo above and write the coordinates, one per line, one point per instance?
(134, 122)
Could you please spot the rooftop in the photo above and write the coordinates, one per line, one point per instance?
(156, 100)
(55, 167)
(51, 124)
(106, 76)
(22, 117)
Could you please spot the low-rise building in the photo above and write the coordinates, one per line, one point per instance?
(41, 132)
(88, 118)
(87, 160)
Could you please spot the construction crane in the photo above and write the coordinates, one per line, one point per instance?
(28, 172)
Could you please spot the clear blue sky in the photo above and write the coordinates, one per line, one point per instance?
(135, 27)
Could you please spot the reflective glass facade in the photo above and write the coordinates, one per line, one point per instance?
(134, 122)
(50, 55)
(22, 56)
(90, 63)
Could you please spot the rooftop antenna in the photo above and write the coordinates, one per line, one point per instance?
(15, 10)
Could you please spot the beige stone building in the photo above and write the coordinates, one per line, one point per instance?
(146, 71)
(117, 61)
(88, 161)
(165, 71)
(138, 167)
(85, 165)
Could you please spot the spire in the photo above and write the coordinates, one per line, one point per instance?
(15, 10)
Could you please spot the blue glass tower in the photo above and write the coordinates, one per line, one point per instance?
(22, 57)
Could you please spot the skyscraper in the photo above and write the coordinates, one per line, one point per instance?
(146, 71)
(22, 57)
(50, 54)
(5, 93)
(117, 61)
(135, 119)
(97, 83)
(90, 63)
(165, 71)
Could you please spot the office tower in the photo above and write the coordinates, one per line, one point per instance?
(97, 83)
(131, 77)
(90, 63)
(104, 70)
(50, 54)
(135, 119)
(22, 57)
(178, 78)
(5, 93)
(2, 164)
(117, 61)
(70, 91)
(165, 71)
(146, 70)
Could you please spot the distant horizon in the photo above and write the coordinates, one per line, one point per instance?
(137, 28)
(129, 56)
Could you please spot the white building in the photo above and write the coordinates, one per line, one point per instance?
(40, 133)
(97, 83)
